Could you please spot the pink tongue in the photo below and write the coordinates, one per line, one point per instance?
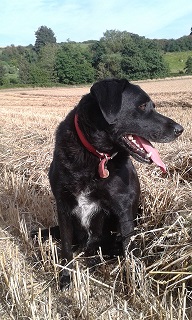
(149, 148)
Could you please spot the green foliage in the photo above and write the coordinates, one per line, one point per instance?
(10, 54)
(2, 74)
(8, 74)
(188, 65)
(133, 64)
(46, 61)
(122, 54)
(116, 54)
(72, 65)
(24, 71)
(114, 40)
(98, 50)
(134, 67)
(44, 35)
(109, 66)
(156, 67)
(175, 45)
(39, 70)
(38, 75)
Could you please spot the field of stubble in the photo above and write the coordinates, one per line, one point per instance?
(158, 283)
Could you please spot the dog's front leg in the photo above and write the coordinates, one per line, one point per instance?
(66, 233)
(94, 239)
(127, 226)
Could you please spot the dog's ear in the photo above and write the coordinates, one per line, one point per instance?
(109, 97)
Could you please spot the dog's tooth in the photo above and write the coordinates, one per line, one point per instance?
(130, 137)
(149, 155)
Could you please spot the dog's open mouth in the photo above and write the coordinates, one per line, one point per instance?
(142, 150)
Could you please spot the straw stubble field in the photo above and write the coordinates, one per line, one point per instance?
(157, 283)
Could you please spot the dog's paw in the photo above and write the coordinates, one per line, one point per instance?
(64, 280)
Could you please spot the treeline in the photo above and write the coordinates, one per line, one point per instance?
(116, 54)
(175, 45)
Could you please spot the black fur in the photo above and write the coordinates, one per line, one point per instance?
(112, 109)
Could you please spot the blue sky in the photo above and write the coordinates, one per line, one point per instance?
(81, 20)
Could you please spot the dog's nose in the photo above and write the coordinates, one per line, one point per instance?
(178, 129)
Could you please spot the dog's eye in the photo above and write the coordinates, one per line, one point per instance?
(142, 106)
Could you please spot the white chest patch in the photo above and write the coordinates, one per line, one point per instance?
(85, 209)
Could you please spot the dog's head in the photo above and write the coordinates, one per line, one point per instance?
(132, 119)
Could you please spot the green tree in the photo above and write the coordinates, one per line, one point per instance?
(2, 74)
(38, 76)
(107, 55)
(98, 50)
(46, 61)
(156, 67)
(133, 63)
(142, 59)
(12, 55)
(110, 66)
(18, 60)
(114, 40)
(134, 67)
(44, 35)
(174, 45)
(24, 71)
(188, 66)
(72, 65)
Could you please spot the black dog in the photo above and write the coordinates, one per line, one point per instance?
(92, 177)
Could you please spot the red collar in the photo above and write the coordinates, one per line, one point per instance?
(104, 157)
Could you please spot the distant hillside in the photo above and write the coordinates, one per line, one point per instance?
(177, 61)
(117, 54)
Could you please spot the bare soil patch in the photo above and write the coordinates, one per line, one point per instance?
(158, 283)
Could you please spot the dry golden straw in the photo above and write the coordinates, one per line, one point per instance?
(155, 284)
